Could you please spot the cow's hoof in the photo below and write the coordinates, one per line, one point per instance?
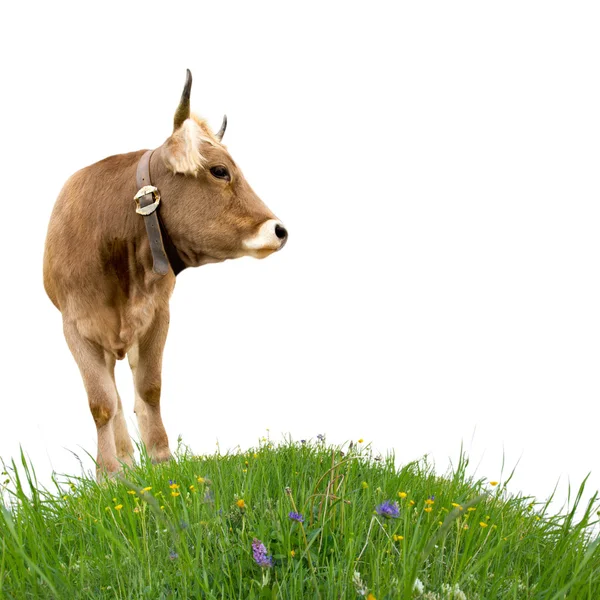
(161, 456)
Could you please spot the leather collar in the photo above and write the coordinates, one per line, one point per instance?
(164, 253)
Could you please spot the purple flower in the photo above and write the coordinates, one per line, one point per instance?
(388, 509)
(294, 516)
(321, 437)
(260, 554)
(173, 555)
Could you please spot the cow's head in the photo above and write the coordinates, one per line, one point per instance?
(210, 210)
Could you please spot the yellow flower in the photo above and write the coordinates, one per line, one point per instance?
(483, 524)
(292, 553)
(246, 462)
(255, 455)
(429, 501)
(428, 509)
(457, 506)
(371, 597)
(397, 538)
(174, 494)
(162, 508)
(360, 441)
(131, 492)
(192, 488)
(412, 502)
(240, 503)
(174, 486)
(402, 495)
(118, 507)
(147, 489)
(494, 483)
(200, 480)
(471, 509)
(244, 470)
(364, 485)
(440, 523)
(136, 509)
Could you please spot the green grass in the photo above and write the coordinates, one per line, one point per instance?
(114, 540)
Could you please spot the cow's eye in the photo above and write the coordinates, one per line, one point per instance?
(220, 173)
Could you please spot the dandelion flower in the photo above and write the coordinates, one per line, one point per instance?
(192, 488)
(292, 553)
(402, 495)
(174, 494)
(200, 479)
(493, 483)
(360, 441)
(364, 485)
(259, 552)
(457, 506)
(147, 489)
(412, 502)
(471, 509)
(294, 516)
(118, 507)
(428, 509)
(429, 501)
(371, 597)
(240, 503)
(131, 492)
(388, 509)
(397, 538)
(173, 485)
(483, 524)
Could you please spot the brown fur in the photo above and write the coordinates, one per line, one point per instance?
(98, 273)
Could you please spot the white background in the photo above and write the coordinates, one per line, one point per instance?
(437, 166)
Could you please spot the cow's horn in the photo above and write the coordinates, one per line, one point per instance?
(221, 131)
(183, 110)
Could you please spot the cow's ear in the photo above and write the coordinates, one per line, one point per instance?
(182, 149)
(183, 110)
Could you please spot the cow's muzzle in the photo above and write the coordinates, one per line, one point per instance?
(270, 237)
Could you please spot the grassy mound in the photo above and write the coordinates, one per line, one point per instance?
(298, 520)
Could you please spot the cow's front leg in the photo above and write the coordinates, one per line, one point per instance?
(102, 394)
(145, 359)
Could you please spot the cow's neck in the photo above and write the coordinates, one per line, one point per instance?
(164, 253)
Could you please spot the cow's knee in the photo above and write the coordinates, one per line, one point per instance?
(150, 393)
(103, 411)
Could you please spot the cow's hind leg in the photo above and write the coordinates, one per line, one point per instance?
(145, 359)
(102, 394)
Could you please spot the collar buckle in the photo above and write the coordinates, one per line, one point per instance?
(148, 209)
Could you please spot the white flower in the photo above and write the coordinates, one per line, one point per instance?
(361, 588)
(453, 592)
(418, 586)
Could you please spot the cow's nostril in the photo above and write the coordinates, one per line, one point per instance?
(280, 231)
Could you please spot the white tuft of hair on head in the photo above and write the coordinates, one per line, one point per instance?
(183, 148)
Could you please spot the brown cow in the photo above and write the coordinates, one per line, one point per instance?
(110, 263)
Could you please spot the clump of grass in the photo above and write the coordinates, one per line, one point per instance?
(296, 520)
